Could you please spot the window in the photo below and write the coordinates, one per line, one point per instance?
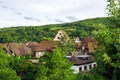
(85, 67)
(90, 66)
(58, 38)
(94, 65)
(60, 34)
(80, 68)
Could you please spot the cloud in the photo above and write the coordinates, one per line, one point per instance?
(18, 13)
(59, 20)
(9, 8)
(31, 19)
(43, 8)
(48, 18)
(37, 19)
(1, 2)
(28, 18)
(3, 6)
(71, 18)
(49, 11)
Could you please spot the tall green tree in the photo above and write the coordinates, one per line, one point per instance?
(57, 67)
(108, 56)
(113, 8)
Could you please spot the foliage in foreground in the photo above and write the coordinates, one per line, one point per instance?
(57, 67)
(108, 55)
(6, 73)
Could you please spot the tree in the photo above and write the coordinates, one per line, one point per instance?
(57, 67)
(113, 8)
(6, 73)
(23, 67)
(42, 73)
(108, 55)
(109, 51)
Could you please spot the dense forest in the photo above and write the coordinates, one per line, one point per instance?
(47, 32)
(105, 30)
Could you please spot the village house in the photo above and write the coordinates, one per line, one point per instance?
(58, 36)
(40, 48)
(30, 48)
(87, 45)
(82, 58)
(62, 37)
(16, 49)
(81, 62)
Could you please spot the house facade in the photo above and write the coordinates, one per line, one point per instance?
(40, 48)
(83, 67)
(87, 45)
(58, 36)
(81, 62)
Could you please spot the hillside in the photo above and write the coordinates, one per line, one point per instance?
(47, 32)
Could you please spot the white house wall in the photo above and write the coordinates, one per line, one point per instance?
(39, 54)
(77, 68)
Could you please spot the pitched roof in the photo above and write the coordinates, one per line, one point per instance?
(83, 60)
(90, 47)
(88, 39)
(3, 44)
(5, 47)
(32, 45)
(61, 34)
(45, 45)
(19, 49)
(75, 60)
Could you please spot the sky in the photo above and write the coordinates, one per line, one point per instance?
(41, 12)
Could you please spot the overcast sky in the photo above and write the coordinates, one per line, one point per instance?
(41, 12)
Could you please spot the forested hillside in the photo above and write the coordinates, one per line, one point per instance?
(47, 32)
(55, 66)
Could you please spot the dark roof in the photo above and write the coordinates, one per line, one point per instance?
(84, 60)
